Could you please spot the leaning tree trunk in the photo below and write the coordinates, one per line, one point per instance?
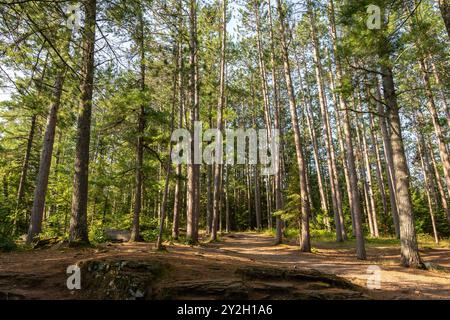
(40, 192)
(305, 244)
(78, 223)
(24, 172)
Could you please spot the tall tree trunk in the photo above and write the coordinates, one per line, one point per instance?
(437, 176)
(139, 174)
(443, 151)
(40, 192)
(305, 244)
(356, 202)
(409, 249)
(378, 168)
(428, 187)
(384, 115)
(332, 168)
(279, 201)
(227, 201)
(220, 106)
(249, 195)
(168, 164)
(257, 198)
(24, 172)
(178, 184)
(78, 222)
(192, 214)
(442, 92)
(315, 144)
(368, 181)
(341, 142)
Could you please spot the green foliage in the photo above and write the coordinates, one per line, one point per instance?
(7, 244)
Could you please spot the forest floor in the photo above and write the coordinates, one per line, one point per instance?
(41, 273)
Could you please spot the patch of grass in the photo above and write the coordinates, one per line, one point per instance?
(269, 232)
(383, 241)
(427, 241)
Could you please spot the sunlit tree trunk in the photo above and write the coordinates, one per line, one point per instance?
(305, 244)
(378, 167)
(357, 215)
(368, 181)
(341, 144)
(428, 187)
(315, 144)
(332, 168)
(440, 136)
(437, 176)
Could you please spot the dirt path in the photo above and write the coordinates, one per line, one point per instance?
(41, 273)
(396, 280)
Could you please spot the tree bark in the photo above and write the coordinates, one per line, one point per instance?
(357, 215)
(220, 106)
(437, 176)
(279, 201)
(139, 170)
(78, 232)
(305, 244)
(428, 187)
(40, 192)
(378, 167)
(443, 151)
(168, 164)
(193, 195)
(387, 147)
(24, 172)
(332, 168)
(315, 144)
(409, 249)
